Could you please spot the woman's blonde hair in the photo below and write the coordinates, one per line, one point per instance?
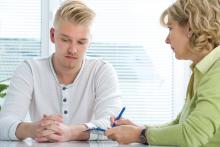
(74, 11)
(203, 18)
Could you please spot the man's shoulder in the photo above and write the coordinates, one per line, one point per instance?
(97, 61)
(98, 65)
(35, 64)
(38, 60)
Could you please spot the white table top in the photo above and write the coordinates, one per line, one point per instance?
(30, 143)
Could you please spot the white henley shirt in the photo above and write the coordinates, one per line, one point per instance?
(91, 99)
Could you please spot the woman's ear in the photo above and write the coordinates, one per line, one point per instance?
(189, 34)
(52, 32)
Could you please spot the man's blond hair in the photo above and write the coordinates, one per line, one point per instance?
(74, 11)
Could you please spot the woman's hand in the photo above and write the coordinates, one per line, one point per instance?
(124, 134)
(121, 121)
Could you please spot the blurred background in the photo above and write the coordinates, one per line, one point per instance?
(126, 33)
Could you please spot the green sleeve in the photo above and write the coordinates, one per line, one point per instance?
(176, 121)
(203, 121)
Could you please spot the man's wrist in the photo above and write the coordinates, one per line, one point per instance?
(78, 132)
(24, 130)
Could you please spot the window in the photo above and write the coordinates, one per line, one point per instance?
(125, 33)
(128, 35)
(20, 33)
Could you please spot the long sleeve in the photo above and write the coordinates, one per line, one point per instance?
(107, 102)
(171, 123)
(202, 121)
(16, 103)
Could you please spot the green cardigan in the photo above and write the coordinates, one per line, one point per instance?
(198, 124)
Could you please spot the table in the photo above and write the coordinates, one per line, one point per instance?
(31, 143)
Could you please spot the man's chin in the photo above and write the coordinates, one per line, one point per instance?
(70, 66)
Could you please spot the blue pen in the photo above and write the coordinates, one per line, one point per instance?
(119, 116)
(96, 130)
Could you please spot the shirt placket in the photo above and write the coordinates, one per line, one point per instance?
(64, 104)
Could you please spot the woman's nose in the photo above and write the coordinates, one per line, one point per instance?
(167, 40)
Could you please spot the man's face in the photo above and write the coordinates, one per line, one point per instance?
(71, 42)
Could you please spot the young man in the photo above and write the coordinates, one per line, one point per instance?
(65, 93)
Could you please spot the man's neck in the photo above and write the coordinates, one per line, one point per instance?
(65, 75)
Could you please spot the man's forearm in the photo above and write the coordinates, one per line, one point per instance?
(78, 132)
(23, 130)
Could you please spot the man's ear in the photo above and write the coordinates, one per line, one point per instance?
(52, 32)
(90, 41)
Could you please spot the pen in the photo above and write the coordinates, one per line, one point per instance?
(119, 116)
(97, 130)
(100, 129)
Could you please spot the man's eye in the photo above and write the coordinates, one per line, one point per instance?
(82, 42)
(64, 40)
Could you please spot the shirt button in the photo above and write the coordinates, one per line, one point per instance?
(65, 112)
(64, 100)
(64, 88)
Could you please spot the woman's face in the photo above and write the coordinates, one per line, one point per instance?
(178, 38)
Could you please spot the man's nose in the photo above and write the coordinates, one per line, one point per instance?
(73, 48)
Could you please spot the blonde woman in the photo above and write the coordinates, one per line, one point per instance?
(194, 34)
